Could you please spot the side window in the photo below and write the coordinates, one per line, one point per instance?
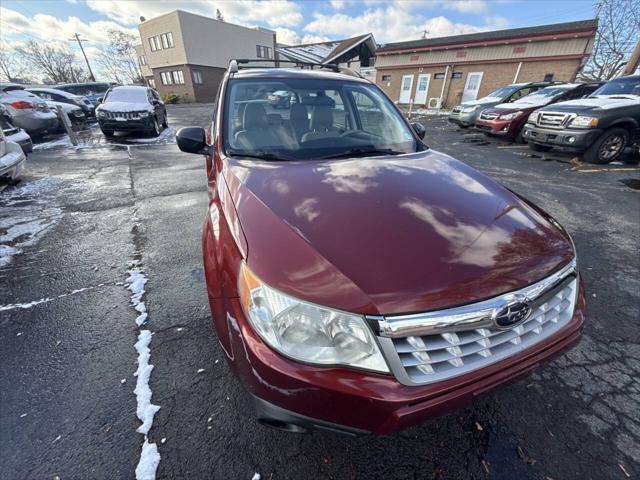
(340, 116)
(521, 93)
(369, 113)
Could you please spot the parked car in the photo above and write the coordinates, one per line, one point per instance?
(132, 109)
(599, 127)
(55, 95)
(362, 282)
(26, 110)
(508, 119)
(466, 113)
(92, 91)
(74, 112)
(12, 159)
(280, 99)
(13, 133)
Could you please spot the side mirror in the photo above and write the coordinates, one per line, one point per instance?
(100, 99)
(419, 129)
(193, 140)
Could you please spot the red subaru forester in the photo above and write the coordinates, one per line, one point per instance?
(359, 281)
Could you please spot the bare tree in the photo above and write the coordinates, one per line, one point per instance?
(618, 32)
(12, 68)
(58, 64)
(118, 57)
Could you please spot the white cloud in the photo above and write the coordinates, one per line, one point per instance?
(388, 24)
(290, 37)
(273, 13)
(337, 4)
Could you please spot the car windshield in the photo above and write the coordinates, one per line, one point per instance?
(323, 119)
(124, 94)
(86, 89)
(619, 86)
(502, 92)
(544, 95)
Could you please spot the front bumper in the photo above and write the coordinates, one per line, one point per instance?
(500, 128)
(140, 125)
(463, 119)
(570, 138)
(358, 401)
(37, 123)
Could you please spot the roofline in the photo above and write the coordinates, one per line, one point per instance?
(366, 37)
(179, 11)
(581, 32)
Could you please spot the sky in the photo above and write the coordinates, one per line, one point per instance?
(301, 21)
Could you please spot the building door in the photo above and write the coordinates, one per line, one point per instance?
(472, 86)
(405, 88)
(422, 89)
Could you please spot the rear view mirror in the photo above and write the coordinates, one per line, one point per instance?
(419, 129)
(193, 140)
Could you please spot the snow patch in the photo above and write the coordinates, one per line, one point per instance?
(149, 461)
(13, 306)
(145, 409)
(256, 476)
(135, 284)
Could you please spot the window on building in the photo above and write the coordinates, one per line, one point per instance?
(170, 39)
(152, 44)
(165, 40)
(263, 52)
(386, 78)
(143, 59)
(438, 76)
(152, 82)
(197, 77)
(548, 77)
(456, 75)
(178, 77)
(166, 78)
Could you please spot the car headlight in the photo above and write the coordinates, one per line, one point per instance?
(584, 122)
(533, 118)
(143, 114)
(307, 332)
(510, 116)
(101, 113)
(470, 109)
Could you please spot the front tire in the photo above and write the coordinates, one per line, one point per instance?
(608, 147)
(156, 128)
(165, 122)
(539, 148)
(107, 133)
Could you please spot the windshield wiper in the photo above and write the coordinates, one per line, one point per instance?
(358, 152)
(261, 155)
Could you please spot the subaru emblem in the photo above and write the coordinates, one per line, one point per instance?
(512, 314)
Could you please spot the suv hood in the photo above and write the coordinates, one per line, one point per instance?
(482, 101)
(595, 103)
(394, 234)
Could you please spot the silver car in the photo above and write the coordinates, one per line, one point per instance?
(26, 110)
(12, 158)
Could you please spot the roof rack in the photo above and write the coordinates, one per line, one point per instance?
(245, 63)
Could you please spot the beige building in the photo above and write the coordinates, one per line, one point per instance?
(445, 71)
(187, 54)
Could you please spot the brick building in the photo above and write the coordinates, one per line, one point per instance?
(445, 71)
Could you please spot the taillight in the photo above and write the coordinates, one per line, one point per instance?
(21, 105)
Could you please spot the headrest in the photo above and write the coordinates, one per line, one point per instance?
(255, 116)
(321, 118)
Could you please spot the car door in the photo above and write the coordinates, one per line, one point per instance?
(158, 105)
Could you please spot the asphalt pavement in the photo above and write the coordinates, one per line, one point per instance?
(70, 229)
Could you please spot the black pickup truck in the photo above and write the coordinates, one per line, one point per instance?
(600, 126)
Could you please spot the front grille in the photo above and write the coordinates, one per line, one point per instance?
(488, 116)
(552, 119)
(125, 115)
(437, 357)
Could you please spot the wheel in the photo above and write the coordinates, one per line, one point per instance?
(165, 122)
(539, 148)
(519, 138)
(107, 133)
(608, 147)
(156, 127)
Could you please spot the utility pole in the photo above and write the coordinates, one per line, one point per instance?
(633, 63)
(79, 40)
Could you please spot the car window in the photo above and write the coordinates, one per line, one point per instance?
(328, 118)
(127, 94)
(501, 92)
(620, 86)
(522, 93)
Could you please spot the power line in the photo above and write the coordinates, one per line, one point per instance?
(79, 40)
